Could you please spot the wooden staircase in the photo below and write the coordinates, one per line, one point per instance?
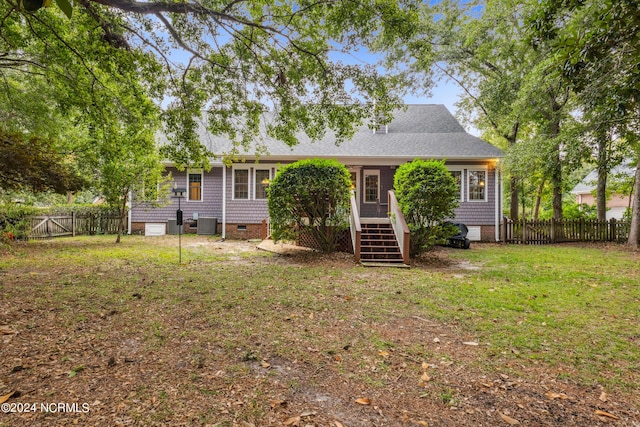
(379, 244)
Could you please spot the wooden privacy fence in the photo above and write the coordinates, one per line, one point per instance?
(43, 227)
(569, 230)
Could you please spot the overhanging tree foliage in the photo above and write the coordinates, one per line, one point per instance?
(228, 60)
(310, 196)
(427, 194)
(35, 164)
(92, 98)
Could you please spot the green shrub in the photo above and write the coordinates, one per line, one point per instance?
(427, 194)
(15, 223)
(310, 196)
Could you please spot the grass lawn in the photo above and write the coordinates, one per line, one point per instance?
(540, 335)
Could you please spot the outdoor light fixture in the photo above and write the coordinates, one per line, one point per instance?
(178, 193)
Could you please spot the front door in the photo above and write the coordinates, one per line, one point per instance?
(371, 203)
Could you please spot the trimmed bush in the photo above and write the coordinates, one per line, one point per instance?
(427, 194)
(310, 196)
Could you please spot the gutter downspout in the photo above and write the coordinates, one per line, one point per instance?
(224, 201)
(499, 191)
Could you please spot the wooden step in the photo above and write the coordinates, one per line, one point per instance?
(379, 245)
(382, 255)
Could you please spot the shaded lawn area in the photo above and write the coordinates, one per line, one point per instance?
(235, 336)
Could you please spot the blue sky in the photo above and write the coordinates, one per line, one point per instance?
(444, 92)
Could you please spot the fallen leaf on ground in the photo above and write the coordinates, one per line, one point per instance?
(603, 397)
(293, 421)
(6, 397)
(363, 401)
(507, 419)
(422, 423)
(265, 364)
(7, 330)
(606, 414)
(425, 377)
(551, 395)
(473, 343)
(307, 414)
(338, 424)
(277, 403)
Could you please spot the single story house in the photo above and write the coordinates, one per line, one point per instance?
(236, 195)
(617, 204)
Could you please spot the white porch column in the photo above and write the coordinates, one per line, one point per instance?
(224, 201)
(498, 205)
(130, 206)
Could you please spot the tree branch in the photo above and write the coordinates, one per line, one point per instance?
(472, 96)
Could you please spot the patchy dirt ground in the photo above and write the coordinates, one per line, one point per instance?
(190, 371)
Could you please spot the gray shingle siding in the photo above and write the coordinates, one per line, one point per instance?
(420, 131)
(478, 212)
(249, 211)
(210, 206)
(254, 211)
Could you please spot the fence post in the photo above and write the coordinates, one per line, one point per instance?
(73, 223)
(524, 230)
(504, 229)
(553, 230)
(612, 230)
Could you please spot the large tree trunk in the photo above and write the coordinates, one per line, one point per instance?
(122, 214)
(513, 193)
(556, 168)
(513, 207)
(557, 194)
(536, 209)
(634, 232)
(603, 173)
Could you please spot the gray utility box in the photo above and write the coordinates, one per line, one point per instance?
(173, 227)
(207, 225)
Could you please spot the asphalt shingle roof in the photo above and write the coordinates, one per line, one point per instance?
(420, 131)
(588, 184)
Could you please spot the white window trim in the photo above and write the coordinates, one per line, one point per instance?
(486, 184)
(272, 173)
(462, 180)
(273, 169)
(366, 173)
(234, 168)
(195, 172)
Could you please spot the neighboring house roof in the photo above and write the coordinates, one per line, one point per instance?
(420, 131)
(589, 183)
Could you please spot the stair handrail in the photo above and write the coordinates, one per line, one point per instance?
(356, 227)
(400, 227)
